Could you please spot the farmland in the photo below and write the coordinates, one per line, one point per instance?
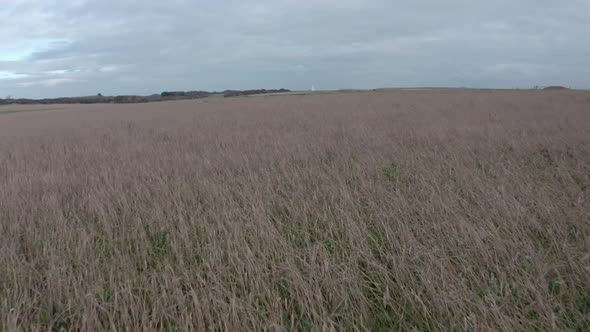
(389, 209)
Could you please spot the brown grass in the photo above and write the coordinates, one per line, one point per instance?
(404, 210)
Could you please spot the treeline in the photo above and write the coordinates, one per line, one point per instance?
(236, 93)
(87, 100)
(164, 96)
(187, 94)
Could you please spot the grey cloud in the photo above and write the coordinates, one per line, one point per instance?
(133, 46)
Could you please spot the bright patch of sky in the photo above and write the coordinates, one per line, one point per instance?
(7, 75)
(21, 49)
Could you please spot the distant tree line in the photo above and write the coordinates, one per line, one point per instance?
(164, 96)
(79, 100)
(235, 93)
(187, 94)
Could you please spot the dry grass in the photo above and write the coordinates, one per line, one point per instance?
(405, 210)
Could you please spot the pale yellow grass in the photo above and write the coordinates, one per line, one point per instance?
(388, 210)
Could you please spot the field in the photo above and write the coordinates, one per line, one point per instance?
(384, 210)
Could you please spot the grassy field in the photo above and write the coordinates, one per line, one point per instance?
(388, 210)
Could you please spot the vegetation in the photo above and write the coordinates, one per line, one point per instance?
(164, 96)
(236, 93)
(194, 94)
(389, 210)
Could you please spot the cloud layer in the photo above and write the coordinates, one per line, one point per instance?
(82, 47)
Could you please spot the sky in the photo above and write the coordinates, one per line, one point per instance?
(51, 48)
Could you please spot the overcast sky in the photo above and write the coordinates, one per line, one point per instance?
(51, 48)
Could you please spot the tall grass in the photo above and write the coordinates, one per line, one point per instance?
(399, 210)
